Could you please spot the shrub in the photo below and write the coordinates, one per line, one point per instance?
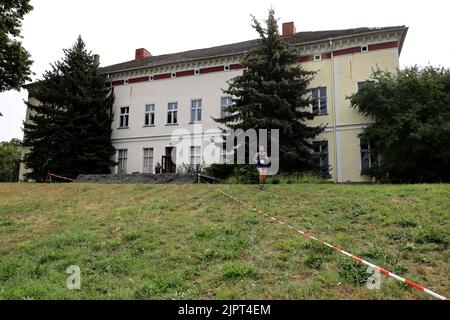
(220, 171)
(275, 181)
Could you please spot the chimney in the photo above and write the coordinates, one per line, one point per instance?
(96, 59)
(141, 54)
(288, 29)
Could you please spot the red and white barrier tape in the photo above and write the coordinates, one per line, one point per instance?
(61, 177)
(307, 235)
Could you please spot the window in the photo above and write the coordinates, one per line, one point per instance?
(369, 157)
(124, 115)
(364, 48)
(149, 114)
(361, 84)
(196, 110)
(321, 151)
(195, 155)
(122, 161)
(225, 102)
(317, 57)
(319, 100)
(172, 113)
(148, 160)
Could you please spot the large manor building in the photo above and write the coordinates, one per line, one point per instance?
(154, 95)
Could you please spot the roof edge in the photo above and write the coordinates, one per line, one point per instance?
(394, 28)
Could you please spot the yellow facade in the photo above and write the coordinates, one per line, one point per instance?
(340, 75)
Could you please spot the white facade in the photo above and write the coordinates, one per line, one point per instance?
(182, 91)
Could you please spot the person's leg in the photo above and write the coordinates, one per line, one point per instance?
(260, 176)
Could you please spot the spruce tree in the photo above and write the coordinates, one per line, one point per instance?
(273, 93)
(70, 128)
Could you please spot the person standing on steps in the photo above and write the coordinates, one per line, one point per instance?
(262, 161)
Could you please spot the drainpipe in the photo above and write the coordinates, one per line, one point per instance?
(333, 93)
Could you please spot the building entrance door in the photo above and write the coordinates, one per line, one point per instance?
(169, 161)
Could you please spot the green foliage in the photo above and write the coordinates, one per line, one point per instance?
(352, 272)
(318, 254)
(163, 287)
(247, 174)
(10, 154)
(407, 223)
(220, 171)
(190, 168)
(70, 129)
(187, 235)
(236, 271)
(15, 61)
(411, 110)
(273, 94)
(314, 261)
(432, 235)
(131, 236)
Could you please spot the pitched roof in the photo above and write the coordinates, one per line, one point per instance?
(238, 48)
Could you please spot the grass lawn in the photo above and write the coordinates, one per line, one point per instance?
(191, 242)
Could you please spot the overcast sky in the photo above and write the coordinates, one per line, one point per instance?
(115, 28)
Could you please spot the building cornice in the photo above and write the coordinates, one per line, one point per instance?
(309, 47)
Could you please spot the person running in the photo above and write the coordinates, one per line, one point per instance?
(262, 161)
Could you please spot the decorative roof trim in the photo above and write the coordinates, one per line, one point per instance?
(324, 41)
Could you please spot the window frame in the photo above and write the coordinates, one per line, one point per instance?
(321, 153)
(223, 113)
(370, 154)
(122, 159)
(196, 112)
(124, 116)
(149, 115)
(172, 112)
(320, 100)
(145, 157)
(196, 154)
